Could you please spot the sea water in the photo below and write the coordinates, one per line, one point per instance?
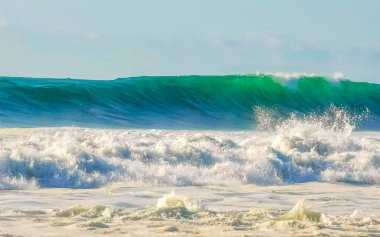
(249, 155)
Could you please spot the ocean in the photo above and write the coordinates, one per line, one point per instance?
(234, 155)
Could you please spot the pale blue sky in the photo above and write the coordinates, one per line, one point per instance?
(102, 39)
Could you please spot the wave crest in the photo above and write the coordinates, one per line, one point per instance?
(202, 102)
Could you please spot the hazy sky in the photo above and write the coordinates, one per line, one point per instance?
(117, 38)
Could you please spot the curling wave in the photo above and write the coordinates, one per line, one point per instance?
(179, 102)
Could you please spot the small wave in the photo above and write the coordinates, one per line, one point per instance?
(301, 213)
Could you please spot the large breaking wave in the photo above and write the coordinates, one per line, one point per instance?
(179, 102)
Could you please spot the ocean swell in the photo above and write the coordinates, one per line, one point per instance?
(179, 102)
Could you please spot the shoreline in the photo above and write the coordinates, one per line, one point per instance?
(228, 210)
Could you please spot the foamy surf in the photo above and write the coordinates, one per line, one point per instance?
(296, 150)
(306, 209)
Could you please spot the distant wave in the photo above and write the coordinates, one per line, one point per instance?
(180, 102)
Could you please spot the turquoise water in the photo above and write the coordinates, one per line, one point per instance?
(179, 102)
(290, 130)
(301, 136)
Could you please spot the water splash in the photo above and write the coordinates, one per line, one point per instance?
(333, 119)
(301, 212)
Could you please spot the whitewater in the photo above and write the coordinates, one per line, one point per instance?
(240, 155)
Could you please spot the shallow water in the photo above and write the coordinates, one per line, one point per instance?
(246, 210)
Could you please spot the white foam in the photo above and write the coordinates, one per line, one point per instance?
(293, 151)
(301, 212)
(287, 75)
(338, 75)
(173, 200)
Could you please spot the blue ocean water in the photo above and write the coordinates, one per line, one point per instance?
(180, 102)
(188, 130)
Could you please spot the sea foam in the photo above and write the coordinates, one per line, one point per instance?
(294, 150)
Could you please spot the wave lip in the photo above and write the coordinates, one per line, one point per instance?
(179, 102)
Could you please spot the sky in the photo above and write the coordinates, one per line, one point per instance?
(97, 39)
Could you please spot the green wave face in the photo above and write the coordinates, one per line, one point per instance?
(180, 102)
